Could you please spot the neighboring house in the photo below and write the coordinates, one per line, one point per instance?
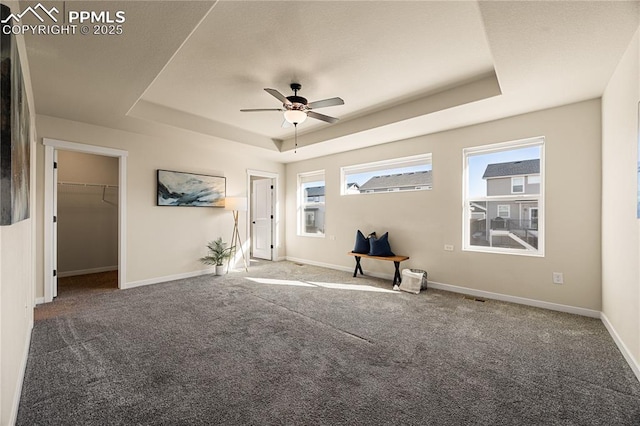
(352, 188)
(517, 218)
(314, 210)
(314, 194)
(398, 182)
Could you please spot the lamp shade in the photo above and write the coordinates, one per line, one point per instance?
(236, 203)
(295, 116)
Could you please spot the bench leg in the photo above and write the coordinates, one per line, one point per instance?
(358, 267)
(397, 278)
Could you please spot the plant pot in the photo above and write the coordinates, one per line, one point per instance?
(219, 269)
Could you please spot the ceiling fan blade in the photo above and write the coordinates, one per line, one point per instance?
(261, 109)
(322, 117)
(326, 103)
(279, 96)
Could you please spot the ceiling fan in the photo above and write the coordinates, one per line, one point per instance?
(296, 108)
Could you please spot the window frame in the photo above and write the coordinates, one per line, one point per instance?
(513, 184)
(302, 204)
(538, 141)
(382, 165)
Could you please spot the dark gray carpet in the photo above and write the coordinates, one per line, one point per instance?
(225, 350)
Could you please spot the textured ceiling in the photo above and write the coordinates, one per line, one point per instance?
(370, 55)
(403, 68)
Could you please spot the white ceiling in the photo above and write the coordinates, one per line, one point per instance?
(403, 68)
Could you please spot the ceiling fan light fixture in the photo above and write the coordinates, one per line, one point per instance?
(295, 116)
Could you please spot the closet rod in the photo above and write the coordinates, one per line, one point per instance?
(98, 185)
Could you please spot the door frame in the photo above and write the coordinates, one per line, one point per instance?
(275, 209)
(50, 146)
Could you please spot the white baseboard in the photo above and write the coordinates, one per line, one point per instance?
(87, 271)
(39, 300)
(516, 299)
(166, 278)
(626, 353)
(13, 416)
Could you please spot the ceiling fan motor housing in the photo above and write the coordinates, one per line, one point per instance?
(298, 101)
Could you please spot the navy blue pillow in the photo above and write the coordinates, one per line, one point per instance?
(362, 244)
(380, 246)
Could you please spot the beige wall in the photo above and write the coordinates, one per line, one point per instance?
(87, 223)
(16, 285)
(87, 168)
(17, 311)
(620, 226)
(421, 223)
(162, 241)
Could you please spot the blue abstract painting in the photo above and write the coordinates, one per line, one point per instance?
(15, 140)
(189, 189)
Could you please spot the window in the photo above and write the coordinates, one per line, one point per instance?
(504, 210)
(517, 185)
(395, 175)
(311, 200)
(501, 213)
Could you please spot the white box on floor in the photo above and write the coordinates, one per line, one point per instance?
(412, 281)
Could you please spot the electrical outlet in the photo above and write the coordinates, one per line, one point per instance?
(558, 278)
(448, 247)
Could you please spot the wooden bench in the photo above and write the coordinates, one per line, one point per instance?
(397, 278)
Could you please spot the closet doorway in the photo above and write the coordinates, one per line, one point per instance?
(85, 195)
(87, 222)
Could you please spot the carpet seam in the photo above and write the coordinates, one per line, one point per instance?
(364, 339)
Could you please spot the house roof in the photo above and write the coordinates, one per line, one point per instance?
(399, 180)
(512, 168)
(315, 191)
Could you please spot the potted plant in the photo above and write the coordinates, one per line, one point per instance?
(218, 253)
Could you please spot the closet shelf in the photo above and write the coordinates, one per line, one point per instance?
(98, 185)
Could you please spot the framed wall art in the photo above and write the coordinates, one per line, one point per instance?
(15, 134)
(190, 189)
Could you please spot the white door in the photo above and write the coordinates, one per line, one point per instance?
(54, 255)
(262, 218)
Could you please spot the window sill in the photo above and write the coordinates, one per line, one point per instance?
(512, 252)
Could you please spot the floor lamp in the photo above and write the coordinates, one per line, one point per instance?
(236, 205)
